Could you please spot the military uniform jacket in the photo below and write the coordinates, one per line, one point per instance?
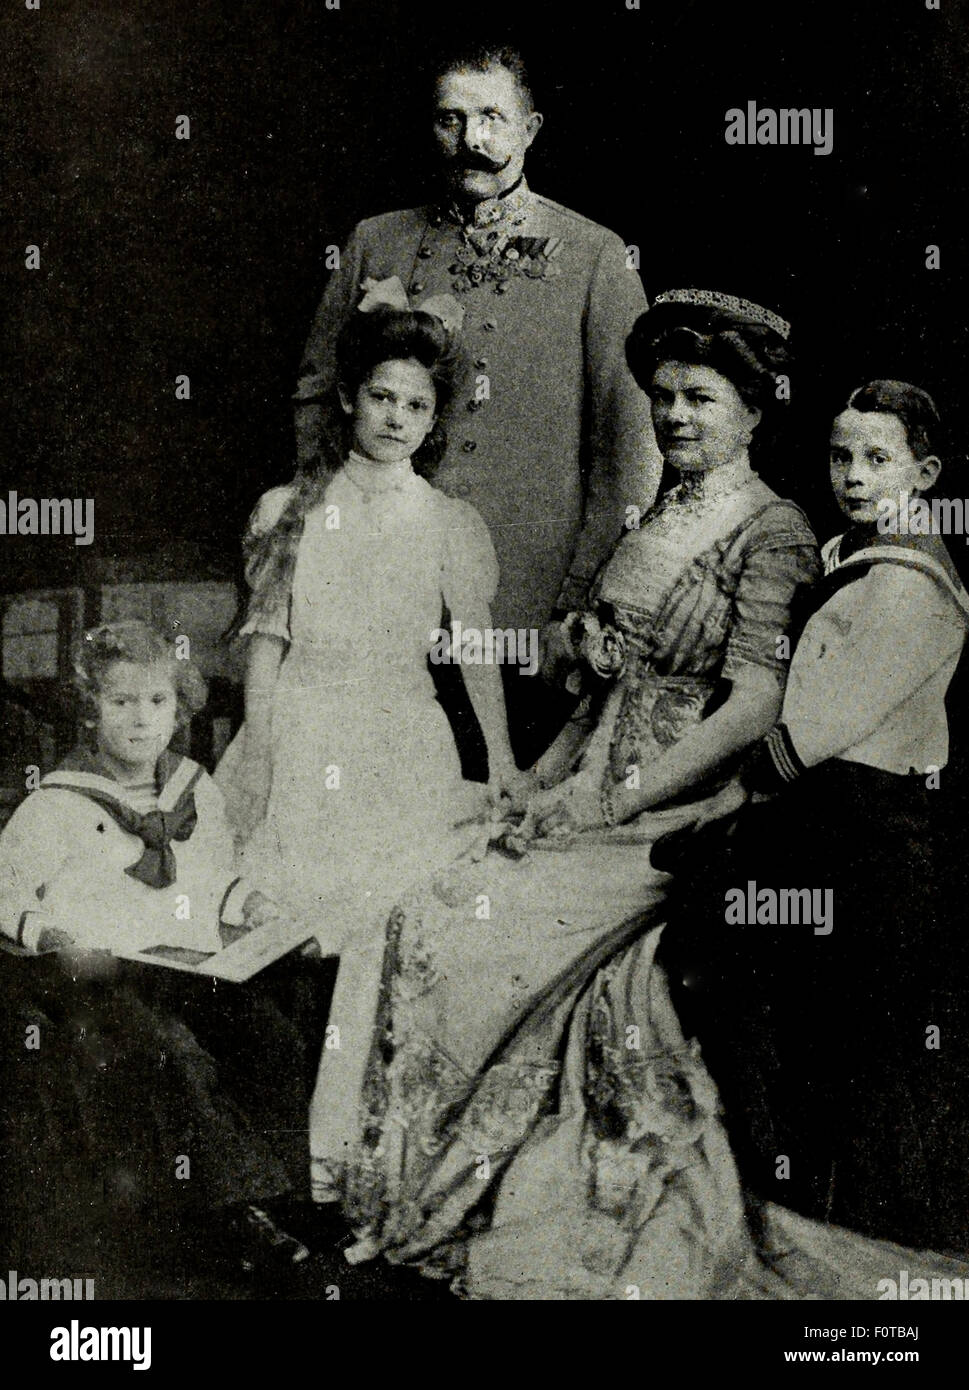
(550, 437)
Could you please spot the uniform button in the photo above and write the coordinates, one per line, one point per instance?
(469, 446)
(425, 253)
(417, 287)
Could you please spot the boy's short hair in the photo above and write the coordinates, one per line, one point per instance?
(914, 407)
(142, 644)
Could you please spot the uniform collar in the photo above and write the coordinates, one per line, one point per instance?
(492, 214)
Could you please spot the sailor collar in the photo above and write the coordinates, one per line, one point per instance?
(83, 771)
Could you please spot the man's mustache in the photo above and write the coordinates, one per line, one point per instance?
(480, 162)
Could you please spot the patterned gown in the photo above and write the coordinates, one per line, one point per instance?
(513, 1102)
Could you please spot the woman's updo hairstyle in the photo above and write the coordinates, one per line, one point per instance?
(750, 354)
(143, 645)
(386, 334)
(734, 337)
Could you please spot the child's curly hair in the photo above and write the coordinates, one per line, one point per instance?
(144, 645)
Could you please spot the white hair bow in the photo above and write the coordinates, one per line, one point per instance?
(391, 292)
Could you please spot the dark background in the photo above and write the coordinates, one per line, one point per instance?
(162, 256)
(205, 257)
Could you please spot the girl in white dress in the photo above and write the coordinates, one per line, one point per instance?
(345, 775)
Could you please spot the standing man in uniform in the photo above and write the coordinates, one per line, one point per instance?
(551, 439)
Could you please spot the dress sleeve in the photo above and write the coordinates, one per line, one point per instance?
(268, 610)
(780, 560)
(469, 579)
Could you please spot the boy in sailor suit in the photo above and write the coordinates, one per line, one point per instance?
(843, 1051)
(126, 845)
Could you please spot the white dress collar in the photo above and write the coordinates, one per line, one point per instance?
(373, 478)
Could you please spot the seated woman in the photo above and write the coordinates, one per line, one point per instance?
(346, 773)
(107, 1096)
(831, 1033)
(512, 1098)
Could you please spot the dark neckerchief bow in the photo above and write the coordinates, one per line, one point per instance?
(156, 829)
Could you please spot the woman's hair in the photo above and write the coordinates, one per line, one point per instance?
(750, 355)
(144, 645)
(395, 335)
(914, 407)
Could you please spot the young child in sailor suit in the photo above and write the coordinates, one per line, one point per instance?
(125, 844)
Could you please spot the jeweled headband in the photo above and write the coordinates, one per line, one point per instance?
(716, 299)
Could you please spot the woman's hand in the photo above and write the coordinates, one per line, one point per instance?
(724, 803)
(512, 789)
(566, 809)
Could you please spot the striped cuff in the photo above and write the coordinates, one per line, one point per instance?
(775, 763)
(233, 901)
